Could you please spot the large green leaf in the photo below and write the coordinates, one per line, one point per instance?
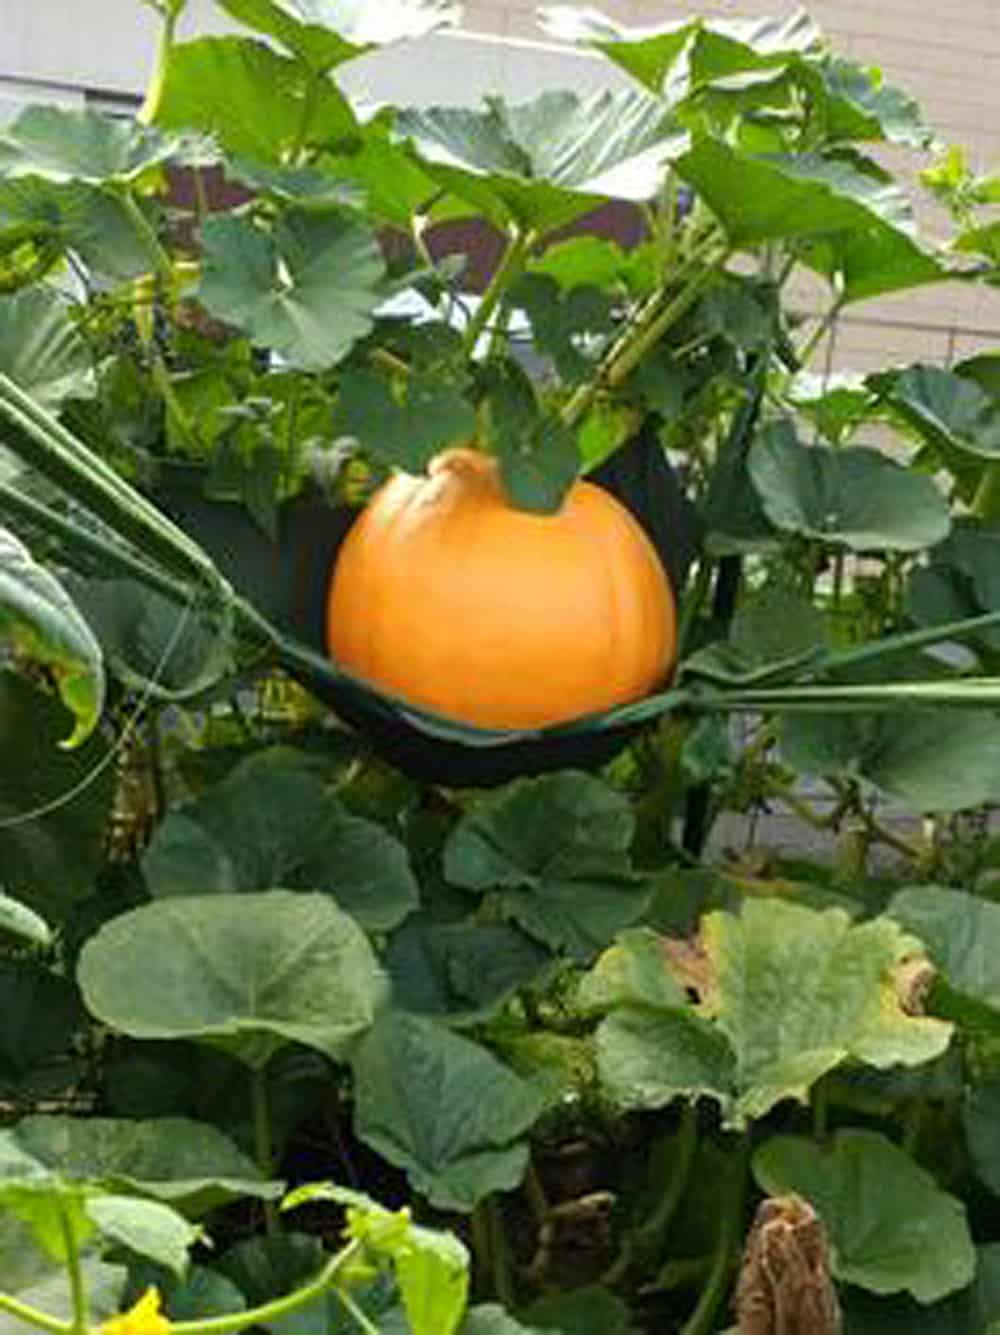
(41, 349)
(64, 145)
(981, 1118)
(786, 994)
(271, 822)
(324, 33)
(945, 409)
(976, 1308)
(441, 1107)
(39, 620)
(147, 1228)
(198, 1294)
(90, 221)
(538, 454)
(54, 804)
(249, 973)
(962, 934)
(492, 1319)
(22, 923)
(588, 1311)
(556, 851)
(190, 1165)
(250, 99)
(682, 55)
(930, 760)
(307, 288)
(858, 222)
(892, 1227)
(405, 430)
(852, 496)
(540, 164)
(857, 104)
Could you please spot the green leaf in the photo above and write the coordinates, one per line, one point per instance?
(248, 973)
(539, 459)
(853, 496)
(837, 404)
(891, 1227)
(961, 933)
(859, 105)
(53, 1212)
(944, 409)
(830, 981)
(562, 320)
(189, 1165)
(307, 188)
(54, 804)
(87, 220)
(444, 1109)
(775, 629)
(633, 972)
(540, 164)
(271, 822)
(929, 760)
(702, 49)
(981, 1119)
(307, 289)
(556, 850)
(859, 222)
(152, 643)
(198, 1294)
(148, 1228)
(63, 145)
(250, 99)
(461, 972)
(40, 1012)
(973, 1309)
(41, 349)
(404, 430)
(22, 923)
(324, 33)
(40, 621)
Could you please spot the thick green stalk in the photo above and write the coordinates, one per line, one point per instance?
(262, 1138)
(510, 268)
(44, 444)
(31, 1316)
(13, 502)
(171, 11)
(80, 1323)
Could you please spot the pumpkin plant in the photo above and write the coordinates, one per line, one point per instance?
(366, 397)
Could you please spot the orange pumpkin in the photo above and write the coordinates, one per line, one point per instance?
(448, 597)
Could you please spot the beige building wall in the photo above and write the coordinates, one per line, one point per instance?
(948, 56)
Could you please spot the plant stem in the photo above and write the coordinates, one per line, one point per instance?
(162, 262)
(367, 1327)
(706, 259)
(819, 333)
(262, 1138)
(702, 1319)
(654, 1228)
(33, 1317)
(44, 444)
(510, 267)
(171, 12)
(80, 1321)
(109, 553)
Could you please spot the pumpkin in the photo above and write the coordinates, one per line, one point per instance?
(448, 597)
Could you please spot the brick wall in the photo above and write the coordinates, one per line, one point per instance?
(948, 57)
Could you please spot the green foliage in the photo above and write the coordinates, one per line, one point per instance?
(830, 981)
(891, 1226)
(248, 973)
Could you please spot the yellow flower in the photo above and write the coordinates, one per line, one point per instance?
(145, 1318)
